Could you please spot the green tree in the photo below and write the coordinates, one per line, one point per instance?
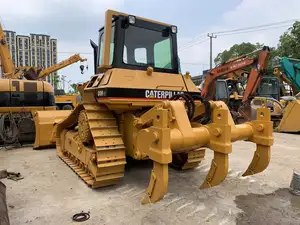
(289, 42)
(236, 51)
(73, 89)
(55, 81)
(245, 48)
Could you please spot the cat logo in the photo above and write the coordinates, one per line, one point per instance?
(161, 94)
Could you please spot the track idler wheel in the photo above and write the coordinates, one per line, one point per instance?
(179, 159)
(84, 131)
(191, 159)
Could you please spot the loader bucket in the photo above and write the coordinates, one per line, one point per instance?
(290, 120)
(45, 127)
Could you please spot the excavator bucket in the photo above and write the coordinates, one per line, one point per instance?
(32, 73)
(45, 126)
(290, 120)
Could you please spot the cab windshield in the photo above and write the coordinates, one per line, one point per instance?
(145, 47)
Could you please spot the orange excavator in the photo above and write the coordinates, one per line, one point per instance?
(239, 105)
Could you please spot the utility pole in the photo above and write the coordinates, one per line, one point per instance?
(211, 36)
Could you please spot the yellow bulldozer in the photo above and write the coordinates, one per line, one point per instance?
(138, 105)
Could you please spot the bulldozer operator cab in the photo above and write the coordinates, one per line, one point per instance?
(137, 44)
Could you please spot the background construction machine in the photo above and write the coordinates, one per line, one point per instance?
(138, 105)
(62, 100)
(279, 93)
(19, 101)
(230, 88)
(288, 73)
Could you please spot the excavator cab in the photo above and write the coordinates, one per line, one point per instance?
(269, 87)
(222, 91)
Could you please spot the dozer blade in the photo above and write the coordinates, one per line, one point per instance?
(290, 121)
(45, 126)
(218, 170)
(260, 160)
(158, 183)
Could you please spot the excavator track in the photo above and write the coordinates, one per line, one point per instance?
(102, 163)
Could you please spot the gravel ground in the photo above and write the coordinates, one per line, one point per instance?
(51, 193)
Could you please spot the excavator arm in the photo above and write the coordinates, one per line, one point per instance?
(256, 74)
(7, 65)
(259, 65)
(282, 78)
(42, 74)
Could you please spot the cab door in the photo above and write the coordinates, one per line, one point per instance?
(222, 93)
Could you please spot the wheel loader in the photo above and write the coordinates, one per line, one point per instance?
(138, 105)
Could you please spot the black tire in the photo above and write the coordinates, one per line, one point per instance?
(67, 107)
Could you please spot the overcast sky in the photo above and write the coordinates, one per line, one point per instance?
(75, 22)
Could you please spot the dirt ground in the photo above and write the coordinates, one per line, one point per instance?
(51, 193)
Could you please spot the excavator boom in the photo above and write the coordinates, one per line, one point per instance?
(7, 65)
(257, 73)
(42, 74)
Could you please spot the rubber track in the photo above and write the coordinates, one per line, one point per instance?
(108, 146)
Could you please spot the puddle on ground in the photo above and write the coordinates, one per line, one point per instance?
(279, 207)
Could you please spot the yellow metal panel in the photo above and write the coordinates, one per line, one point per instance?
(45, 123)
(290, 121)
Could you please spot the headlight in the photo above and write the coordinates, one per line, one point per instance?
(100, 93)
(174, 29)
(131, 19)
